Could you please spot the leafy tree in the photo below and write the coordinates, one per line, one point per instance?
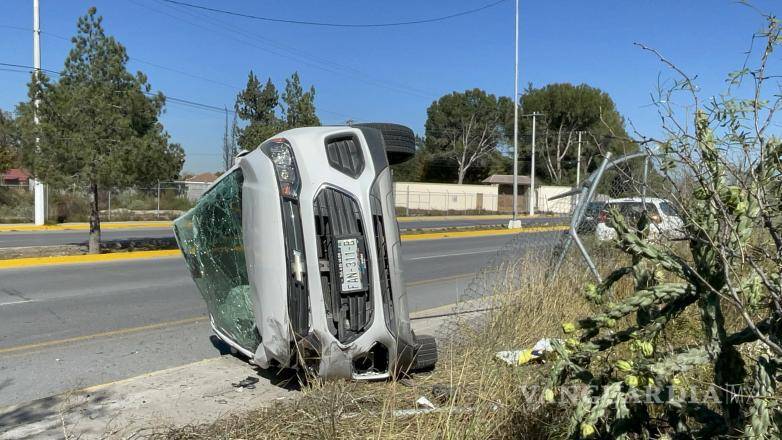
(567, 109)
(99, 123)
(413, 169)
(299, 107)
(8, 141)
(258, 107)
(466, 128)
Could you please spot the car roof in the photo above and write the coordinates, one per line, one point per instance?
(637, 200)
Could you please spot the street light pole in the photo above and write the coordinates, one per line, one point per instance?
(516, 120)
(578, 160)
(531, 198)
(38, 190)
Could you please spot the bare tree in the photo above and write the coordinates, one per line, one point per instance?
(466, 127)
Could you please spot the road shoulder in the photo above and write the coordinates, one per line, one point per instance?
(200, 392)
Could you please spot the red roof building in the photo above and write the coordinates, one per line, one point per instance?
(15, 176)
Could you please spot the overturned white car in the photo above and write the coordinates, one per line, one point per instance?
(296, 251)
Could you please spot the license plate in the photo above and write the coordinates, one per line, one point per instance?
(351, 265)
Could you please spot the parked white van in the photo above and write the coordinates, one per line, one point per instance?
(665, 221)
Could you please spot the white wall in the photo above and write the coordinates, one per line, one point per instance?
(558, 206)
(445, 196)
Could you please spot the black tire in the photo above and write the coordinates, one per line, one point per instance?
(425, 353)
(400, 141)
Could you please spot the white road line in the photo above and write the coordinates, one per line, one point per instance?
(455, 254)
(16, 302)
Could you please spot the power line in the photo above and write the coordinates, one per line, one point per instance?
(338, 25)
(9, 67)
(186, 102)
(288, 51)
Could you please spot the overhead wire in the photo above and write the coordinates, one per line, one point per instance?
(339, 25)
(233, 87)
(230, 31)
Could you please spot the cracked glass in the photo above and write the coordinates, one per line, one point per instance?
(210, 236)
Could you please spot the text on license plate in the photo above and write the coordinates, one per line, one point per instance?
(350, 265)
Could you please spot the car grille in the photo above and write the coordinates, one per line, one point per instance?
(338, 216)
(344, 154)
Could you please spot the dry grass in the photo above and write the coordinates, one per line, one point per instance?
(486, 399)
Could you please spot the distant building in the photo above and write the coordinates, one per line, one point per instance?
(504, 184)
(196, 186)
(15, 177)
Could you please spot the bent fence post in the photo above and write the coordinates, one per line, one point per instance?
(588, 188)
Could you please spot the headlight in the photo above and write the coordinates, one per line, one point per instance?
(281, 154)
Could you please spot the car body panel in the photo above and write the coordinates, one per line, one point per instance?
(268, 266)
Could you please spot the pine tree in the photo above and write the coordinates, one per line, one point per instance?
(299, 106)
(258, 107)
(99, 123)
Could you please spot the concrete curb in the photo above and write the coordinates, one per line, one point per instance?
(90, 258)
(83, 226)
(15, 263)
(26, 227)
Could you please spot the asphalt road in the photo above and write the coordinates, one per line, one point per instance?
(455, 223)
(73, 326)
(51, 238)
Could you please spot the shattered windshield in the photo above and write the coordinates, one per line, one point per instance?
(210, 236)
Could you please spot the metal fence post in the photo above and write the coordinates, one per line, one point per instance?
(588, 189)
(158, 200)
(109, 204)
(407, 204)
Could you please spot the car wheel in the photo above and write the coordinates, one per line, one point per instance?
(425, 353)
(399, 140)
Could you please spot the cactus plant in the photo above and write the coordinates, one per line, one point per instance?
(733, 267)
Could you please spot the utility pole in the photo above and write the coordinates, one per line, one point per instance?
(38, 190)
(532, 199)
(578, 160)
(515, 223)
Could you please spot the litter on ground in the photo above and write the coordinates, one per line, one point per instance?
(521, 357)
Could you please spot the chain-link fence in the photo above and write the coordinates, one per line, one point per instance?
(585, 249)
(162, 201)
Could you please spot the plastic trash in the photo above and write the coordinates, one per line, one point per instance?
(424, 403)
(521, 357)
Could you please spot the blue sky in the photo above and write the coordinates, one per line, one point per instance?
(390, 74)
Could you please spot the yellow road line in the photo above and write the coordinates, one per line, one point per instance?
(161, 325)
(121, 256)
(90, 258)
(439, 280)
(94, 388)
(26, 227)
(120, 332)
(481, 233)
(84, 226)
